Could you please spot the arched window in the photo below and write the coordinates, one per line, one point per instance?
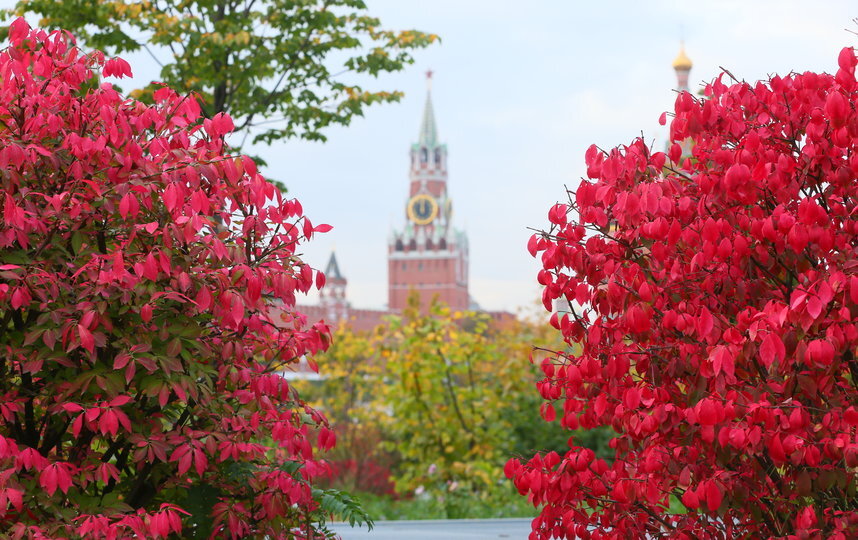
(412, 245)
(399, 245)
(424, 155)
(438, 157)
(442, 245)
(430, 245)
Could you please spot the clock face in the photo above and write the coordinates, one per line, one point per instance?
(422, 209)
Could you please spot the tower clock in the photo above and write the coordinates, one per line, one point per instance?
(422, 209)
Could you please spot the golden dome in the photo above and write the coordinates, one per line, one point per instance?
(682, 61)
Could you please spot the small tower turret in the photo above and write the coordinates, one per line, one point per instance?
(332, 297)
(682, 65)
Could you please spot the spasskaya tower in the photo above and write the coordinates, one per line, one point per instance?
(428, 255)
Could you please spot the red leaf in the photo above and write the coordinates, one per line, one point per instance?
(772, 349)
(146, 312)
(776, 449)
(203, 298)
(18, 31)
(638, 319)
(820, 352)
(853, 289)
(48, 479)
(713, 496)
(705, 323)
(737, 176)
(532, 245)
(119, 401)
(125, 204)
(631, 398)
(77, 425)
(557, 214)
(87, 341)
(846, 59)
(836, 108)
(709, 412)
(121, 360)
(546, 410)
(690, 500)
(201, 462)
(108, 423)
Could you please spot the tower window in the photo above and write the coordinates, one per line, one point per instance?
(442, 244)
(424, 155)
(430, 245)
(412, 245)
(405, 266)
(399, 245)
(438, 157)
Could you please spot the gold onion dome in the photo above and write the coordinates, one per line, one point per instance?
(682, 61)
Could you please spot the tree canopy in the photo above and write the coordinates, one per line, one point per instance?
(280, 68)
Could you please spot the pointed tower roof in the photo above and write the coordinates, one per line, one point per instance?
(682, 61)
(332, 271)
(428, 130)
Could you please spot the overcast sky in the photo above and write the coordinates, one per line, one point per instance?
(521, 89)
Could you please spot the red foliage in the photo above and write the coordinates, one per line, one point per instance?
(718, 331)
(363, 476)
(140, 346)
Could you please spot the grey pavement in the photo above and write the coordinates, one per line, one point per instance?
(439, 529)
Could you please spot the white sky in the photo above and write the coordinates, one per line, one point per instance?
(521, 89)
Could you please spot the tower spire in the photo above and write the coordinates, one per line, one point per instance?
(682, 65)
(332, 271)
(428, 130)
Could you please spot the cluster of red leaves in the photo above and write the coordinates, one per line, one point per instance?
(140, 343)
(718, 328)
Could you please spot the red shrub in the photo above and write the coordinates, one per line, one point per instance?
(139, 346)
(719, 328)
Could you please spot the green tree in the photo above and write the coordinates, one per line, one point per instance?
(278, 67)
(441, 400)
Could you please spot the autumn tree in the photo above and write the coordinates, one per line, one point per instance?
(438, 400)
(715, 298)
(147, 293)
(280, 68)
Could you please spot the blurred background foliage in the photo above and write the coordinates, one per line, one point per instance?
(429, 407)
